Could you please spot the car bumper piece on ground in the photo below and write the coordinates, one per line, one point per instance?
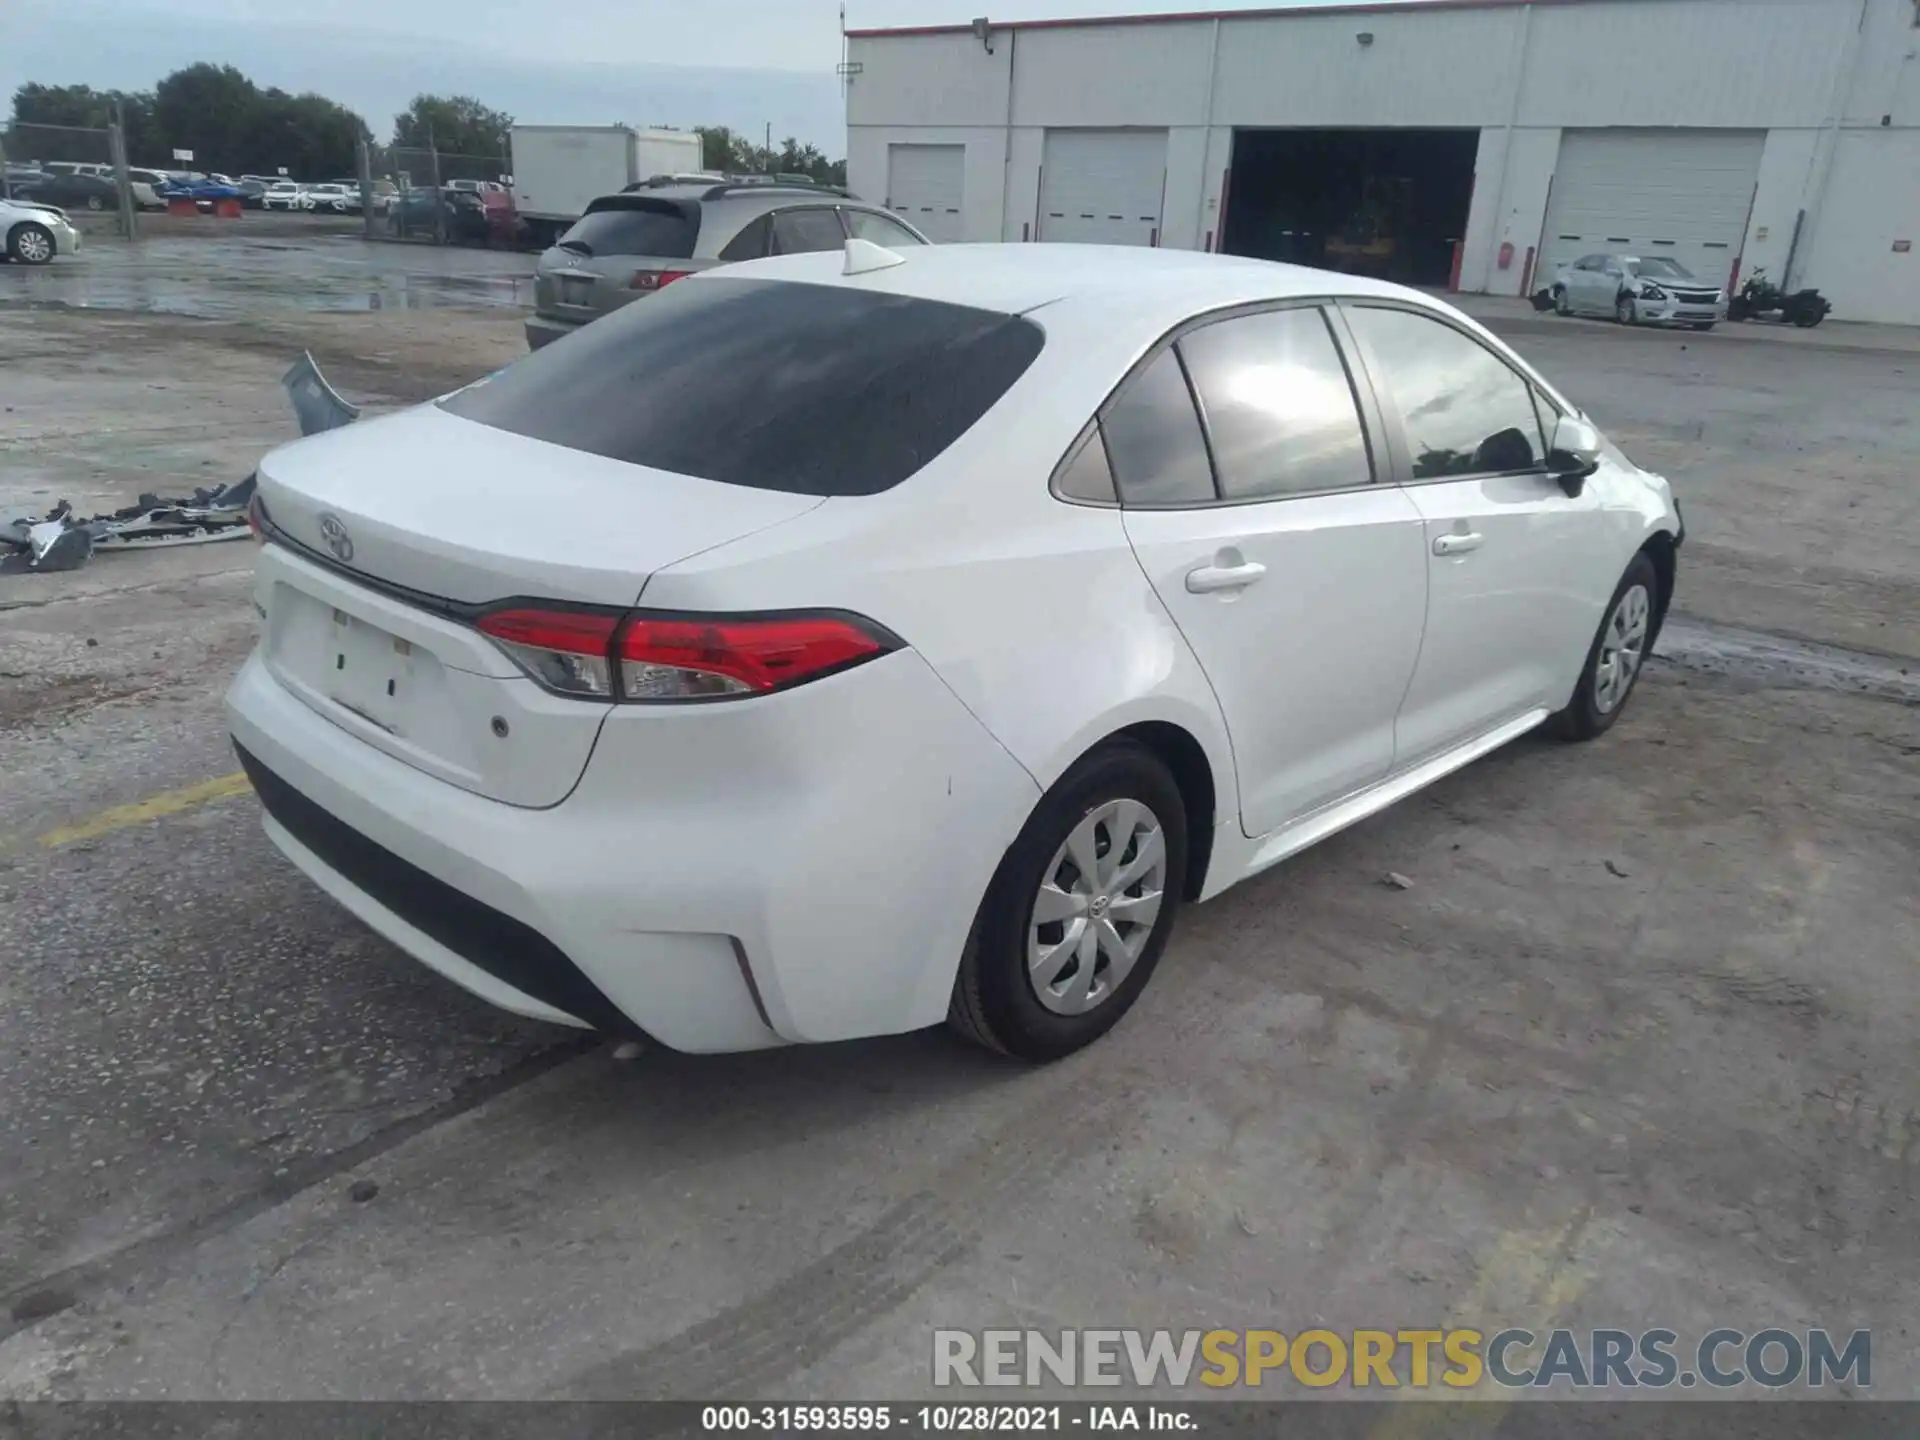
(722, 877)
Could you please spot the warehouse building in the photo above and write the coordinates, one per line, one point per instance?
(1477, 144)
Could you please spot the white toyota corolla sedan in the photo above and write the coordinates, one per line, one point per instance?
(842, 643)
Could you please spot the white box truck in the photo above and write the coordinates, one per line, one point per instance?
(559, 169)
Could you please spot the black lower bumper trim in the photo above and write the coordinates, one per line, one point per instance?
(511, 952)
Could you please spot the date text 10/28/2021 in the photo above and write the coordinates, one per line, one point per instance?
(944, 1419)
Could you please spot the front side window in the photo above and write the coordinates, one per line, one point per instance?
(880, 229)
(1279, 408)
(1154, 443)
(1464, 410)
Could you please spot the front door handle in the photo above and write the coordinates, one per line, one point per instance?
(1457, 543)
(1211, 578)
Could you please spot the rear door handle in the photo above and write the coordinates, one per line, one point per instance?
(1457, 543)
(1211, 578)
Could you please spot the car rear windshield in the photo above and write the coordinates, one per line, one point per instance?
(635, 227)
(812, 389)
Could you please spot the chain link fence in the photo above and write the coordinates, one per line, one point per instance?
(82, 171)
(439, 197)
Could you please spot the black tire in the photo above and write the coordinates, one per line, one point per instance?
(1806, 319)
(1624, 312)
(1587, 717)
(22, 246)
(1561, 305)
(995, 1004)
(1737, 309)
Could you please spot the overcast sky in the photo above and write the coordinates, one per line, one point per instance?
(560, 61)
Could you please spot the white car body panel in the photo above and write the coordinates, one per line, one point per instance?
(807, 865)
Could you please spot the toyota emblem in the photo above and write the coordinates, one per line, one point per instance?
(338, 541)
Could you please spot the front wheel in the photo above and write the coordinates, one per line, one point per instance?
(1561, 305)
(1616, 657)
(30, 243)
(1075, 919)
(1624, 312)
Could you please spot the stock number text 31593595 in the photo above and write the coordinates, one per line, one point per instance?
(908, 1419)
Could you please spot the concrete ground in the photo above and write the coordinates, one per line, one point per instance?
(1635, 1048)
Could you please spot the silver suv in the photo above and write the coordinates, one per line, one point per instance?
(627, 246)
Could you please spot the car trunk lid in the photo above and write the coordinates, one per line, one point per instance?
(397, 534)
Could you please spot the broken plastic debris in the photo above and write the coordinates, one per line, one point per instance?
(316, 403)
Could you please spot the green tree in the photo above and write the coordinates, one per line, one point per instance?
(81, 107)
(455, 125)
(211, 110)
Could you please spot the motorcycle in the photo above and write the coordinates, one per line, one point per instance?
(1760, 299)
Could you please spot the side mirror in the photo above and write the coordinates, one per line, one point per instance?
(1574, 453)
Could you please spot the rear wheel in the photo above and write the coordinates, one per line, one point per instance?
(1079, 911)
(1616, 657)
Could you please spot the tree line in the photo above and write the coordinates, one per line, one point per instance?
(236, 127)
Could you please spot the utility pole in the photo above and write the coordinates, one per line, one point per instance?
(766, 152)
(123, 182)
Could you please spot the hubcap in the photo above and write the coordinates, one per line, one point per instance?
(1096, 907)
(1625, 310)
(1623, 645)
(35, 247)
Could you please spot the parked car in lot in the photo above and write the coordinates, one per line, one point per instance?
(285, 195)
(69, 190)
(993, 603)
(335, 198)
(466, 217)
(1639, 290)
(33, 234)
(631, 245)
(149, 187)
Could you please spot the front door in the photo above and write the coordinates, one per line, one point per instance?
(1513, 590)
(1298, 582)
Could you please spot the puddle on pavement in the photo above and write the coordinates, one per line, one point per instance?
(234, 299)
(1795, 664)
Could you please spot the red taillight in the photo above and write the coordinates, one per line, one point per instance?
(255, 519)
(600, 654)
(655, 279)
(568, 651)
(687, 659)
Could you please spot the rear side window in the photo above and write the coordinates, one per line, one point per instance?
(880, 229)
(811, 389)
(796, 232)
(750, 243)
(636, 227)
(1154, 444)
(1280, 409)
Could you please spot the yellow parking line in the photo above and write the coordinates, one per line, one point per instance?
(154, 807)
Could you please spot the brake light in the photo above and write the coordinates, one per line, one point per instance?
(256, 519)
(647, 658)
(567, 651)
(656, 279)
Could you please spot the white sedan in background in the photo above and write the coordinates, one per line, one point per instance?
(286, 195)
(33, 234)
(900, 639)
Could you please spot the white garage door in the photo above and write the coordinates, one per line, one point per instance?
(1103, 187)
(1680, 193)
(925, 185)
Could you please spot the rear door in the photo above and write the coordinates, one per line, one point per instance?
(1298, 581)
(1516, 578)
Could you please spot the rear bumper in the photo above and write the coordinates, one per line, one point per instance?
(541, 330)
(722, 878)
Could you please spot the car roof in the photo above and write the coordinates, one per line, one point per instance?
(1016, 278)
